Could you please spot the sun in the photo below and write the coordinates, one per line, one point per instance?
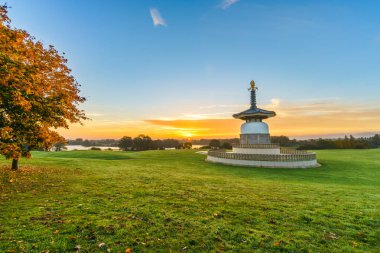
(188, 135)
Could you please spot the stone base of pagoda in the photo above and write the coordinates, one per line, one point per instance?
(286, 159)
(266, 164)
(256, 149)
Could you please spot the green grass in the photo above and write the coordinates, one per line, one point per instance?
(174, 201)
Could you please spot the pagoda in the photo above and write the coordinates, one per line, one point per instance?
(254, 131)
(255, 148)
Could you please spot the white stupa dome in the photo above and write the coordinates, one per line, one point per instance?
(254, 128)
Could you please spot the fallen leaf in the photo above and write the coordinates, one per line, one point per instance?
(77, 248)
(332, 236)
(129, 250)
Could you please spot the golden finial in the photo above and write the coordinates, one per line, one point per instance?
(253, 85)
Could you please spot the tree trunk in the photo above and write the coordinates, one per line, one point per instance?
(15, 164)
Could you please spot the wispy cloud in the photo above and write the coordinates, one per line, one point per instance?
(227, 3)
(157, 18)
(275, 102)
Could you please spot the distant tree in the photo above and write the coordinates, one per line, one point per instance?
(87, 143)
(171, 143)
(325, 144)
(59, 146)
(283, 141)
(361, 144)
(376, 140)
(158, 144)
(187, 145)
(142, 142)
(125, 143)
(38, 94)
(226, 145)
(215, 144)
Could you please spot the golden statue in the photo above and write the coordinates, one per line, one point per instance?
(253, 85)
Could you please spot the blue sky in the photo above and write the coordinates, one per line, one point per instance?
(198, 63)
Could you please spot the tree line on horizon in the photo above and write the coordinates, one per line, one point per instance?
(348, 142)
(144, 142)
(91, 143)
(138, 143)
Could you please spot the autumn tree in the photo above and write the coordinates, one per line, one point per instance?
(38, 94)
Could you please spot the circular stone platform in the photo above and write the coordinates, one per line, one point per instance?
(287, 158)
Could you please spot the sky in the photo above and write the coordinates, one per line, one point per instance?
(180, 69)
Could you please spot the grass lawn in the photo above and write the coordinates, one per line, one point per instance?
(174, 201)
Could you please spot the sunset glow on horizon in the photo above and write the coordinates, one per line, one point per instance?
(309, 119)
